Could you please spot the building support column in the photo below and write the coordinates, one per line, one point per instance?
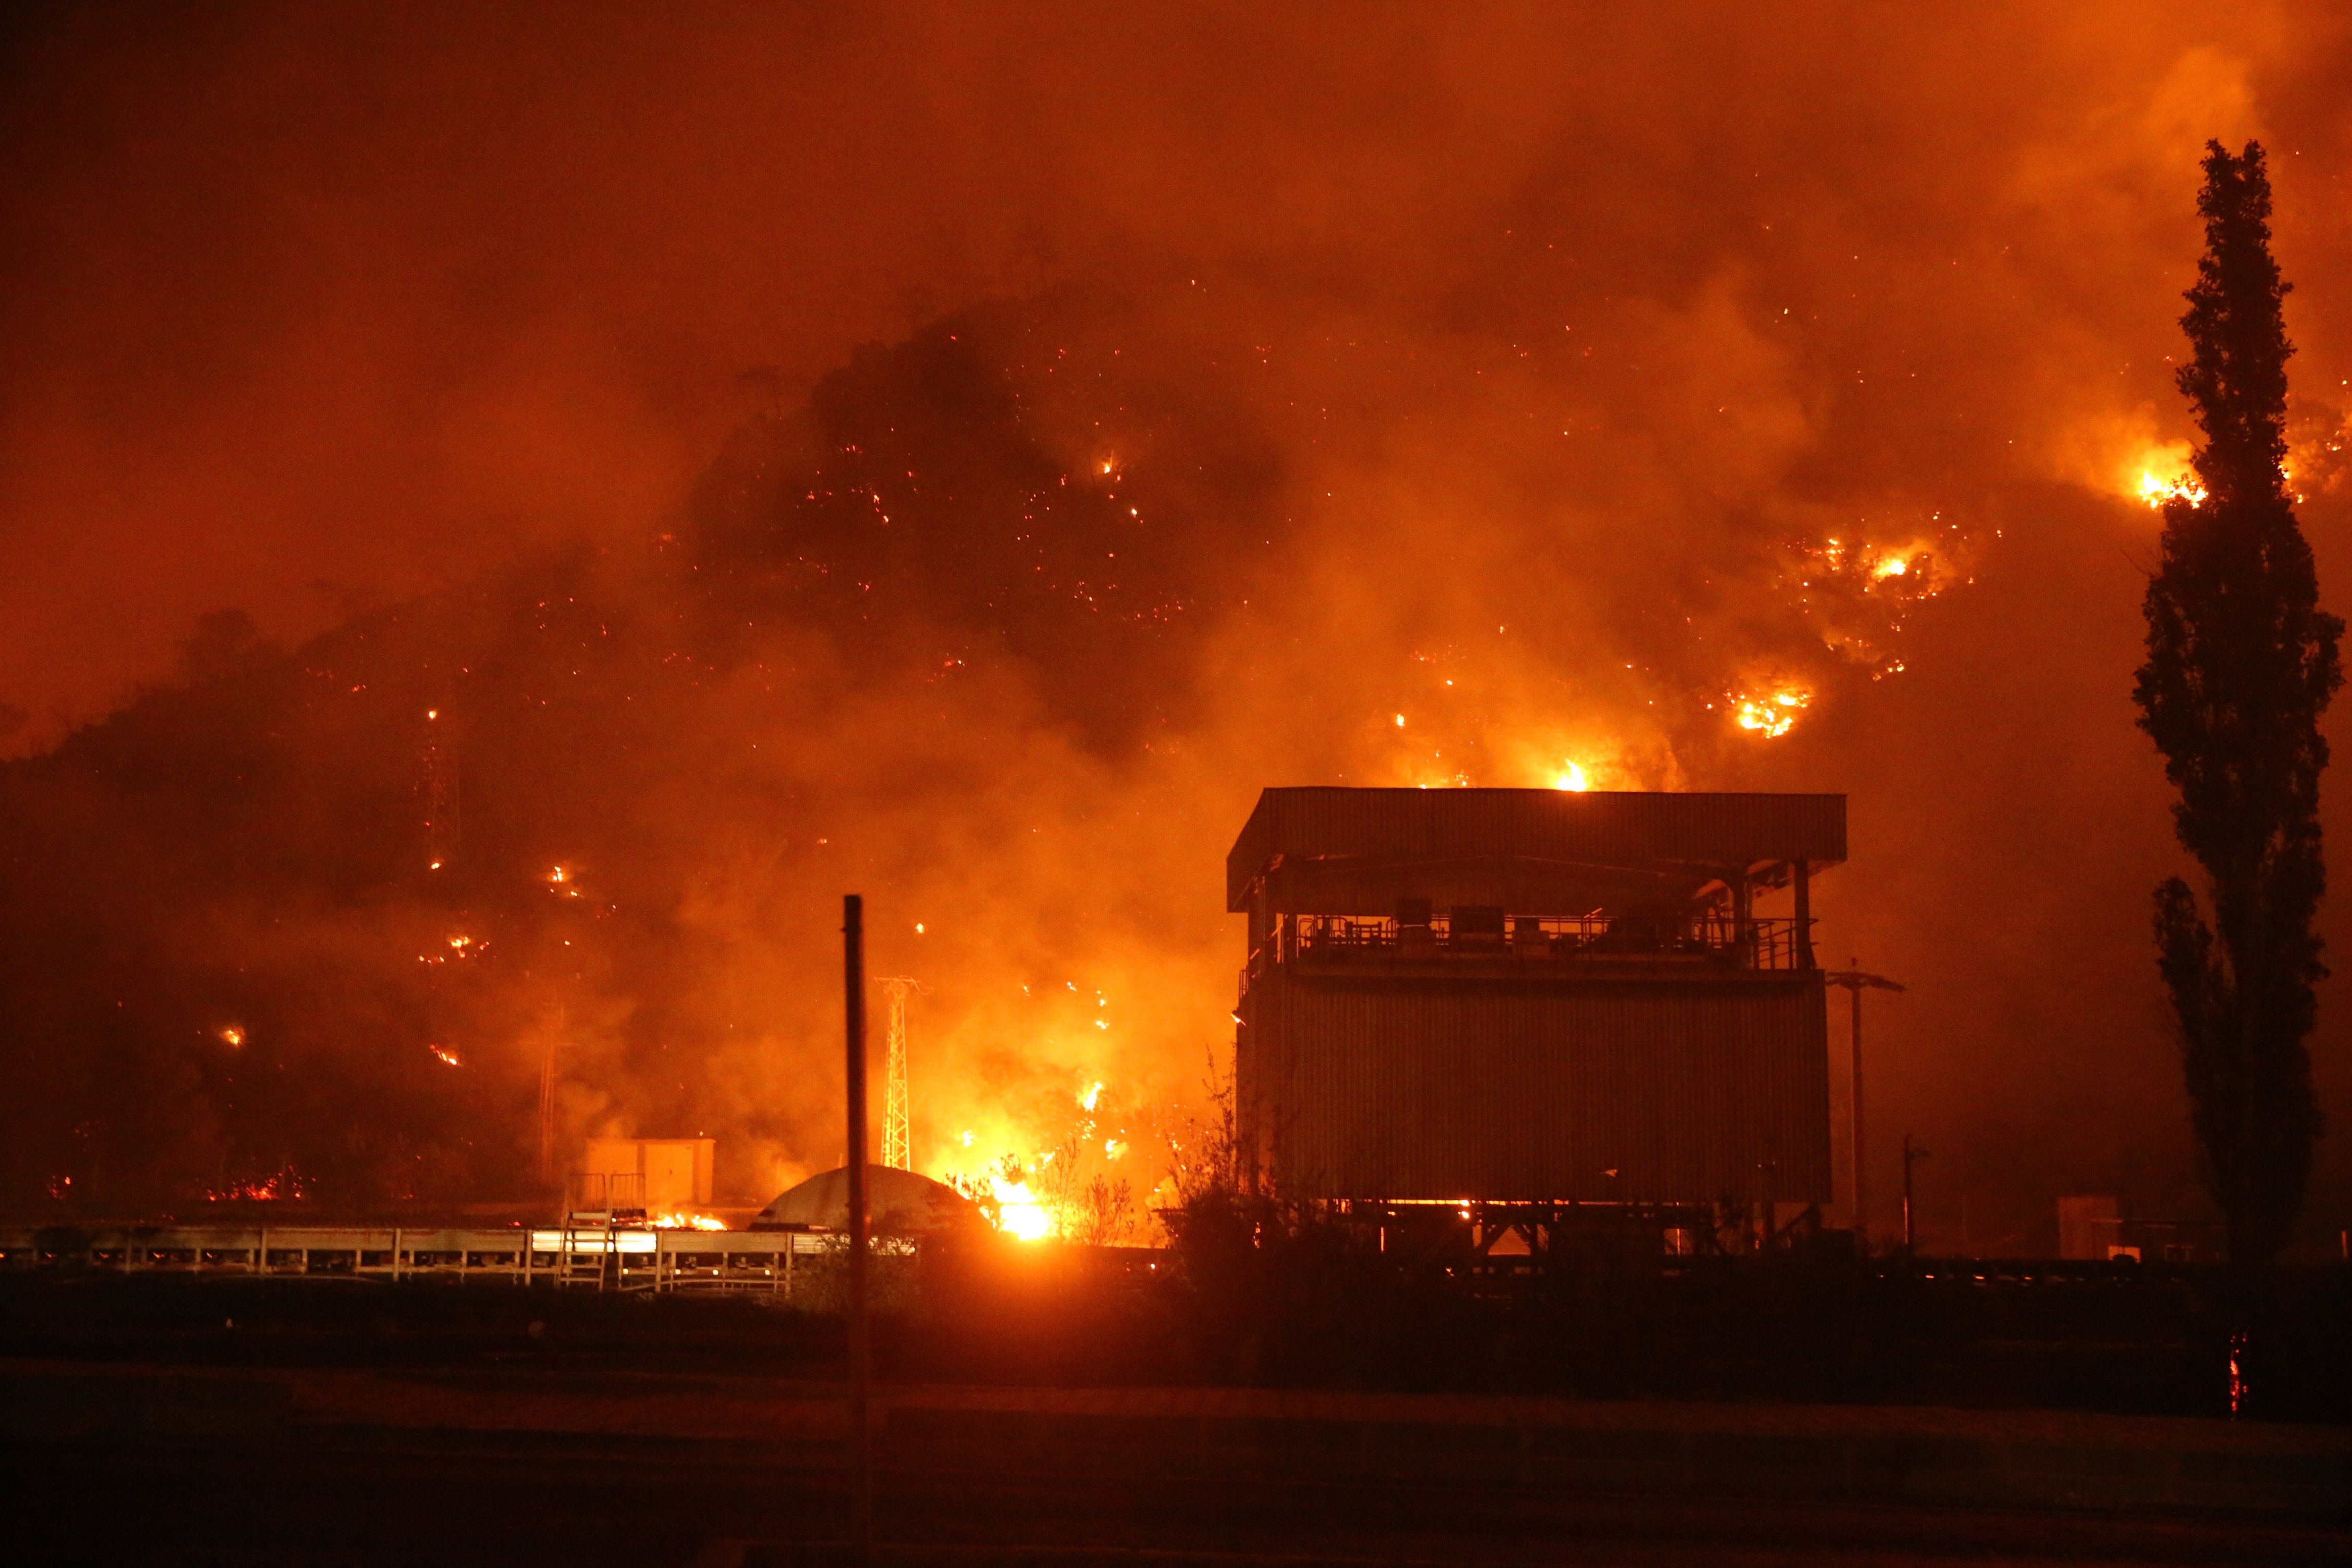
(1804, 914)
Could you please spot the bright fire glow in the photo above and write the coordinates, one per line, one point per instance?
(1020, 1214)
(1573, 779)
(1773, 716)
(687, 1219)
(1092, 1094)
(1892, 566)
(2155, 490)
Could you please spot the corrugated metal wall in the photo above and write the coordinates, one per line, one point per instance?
(1691, 1090)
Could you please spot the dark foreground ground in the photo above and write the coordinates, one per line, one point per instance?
(331, 1423)
(122, 1465)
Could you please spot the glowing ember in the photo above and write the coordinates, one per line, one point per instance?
(446, 1055)
(687, 1219)
(1772, 716)
(1572, 779)
(232, 1035)
(461, 943)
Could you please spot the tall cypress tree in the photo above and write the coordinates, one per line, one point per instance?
(2241, 662)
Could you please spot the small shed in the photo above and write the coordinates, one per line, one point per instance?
(662, 1174)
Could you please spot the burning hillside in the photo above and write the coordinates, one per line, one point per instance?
(554, 844)
(632, 484)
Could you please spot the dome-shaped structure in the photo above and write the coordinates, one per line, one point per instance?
(899, 1203)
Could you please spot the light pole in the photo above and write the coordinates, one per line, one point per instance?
(861, 1353)
(1910, 1157)
(1855, 982)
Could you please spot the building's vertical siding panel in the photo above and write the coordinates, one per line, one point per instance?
(1415, 1088)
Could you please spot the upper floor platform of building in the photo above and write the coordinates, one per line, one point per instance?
(1337, 851)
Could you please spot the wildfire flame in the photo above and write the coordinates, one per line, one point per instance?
(232, 1035)
(1573, 779)
(284, 1184)
(446, 1055)
(687, 1219)
(2155, 490)
(1772, 716)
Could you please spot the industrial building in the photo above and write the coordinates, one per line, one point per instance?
(1532, 997)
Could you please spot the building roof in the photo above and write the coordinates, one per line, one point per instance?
(1336, 851)
(899, 1203)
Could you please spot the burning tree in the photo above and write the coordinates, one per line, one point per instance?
(2240, 663)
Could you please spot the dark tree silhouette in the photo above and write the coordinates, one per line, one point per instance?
(2241, 662)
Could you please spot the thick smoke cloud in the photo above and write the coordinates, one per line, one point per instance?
(1554, 381)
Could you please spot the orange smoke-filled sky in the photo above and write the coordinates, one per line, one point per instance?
(1556, 343)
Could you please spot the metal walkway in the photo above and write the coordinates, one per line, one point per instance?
(574, 1256)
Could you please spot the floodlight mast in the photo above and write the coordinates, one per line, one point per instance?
(1855, 983)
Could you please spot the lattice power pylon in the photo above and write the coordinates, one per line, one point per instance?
(895, 1150)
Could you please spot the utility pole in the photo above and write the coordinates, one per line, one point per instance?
(861, 1371)
(1855, 982)
(438, 783)
(1910, 1157)
(897, 1151)
(554, 1032)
